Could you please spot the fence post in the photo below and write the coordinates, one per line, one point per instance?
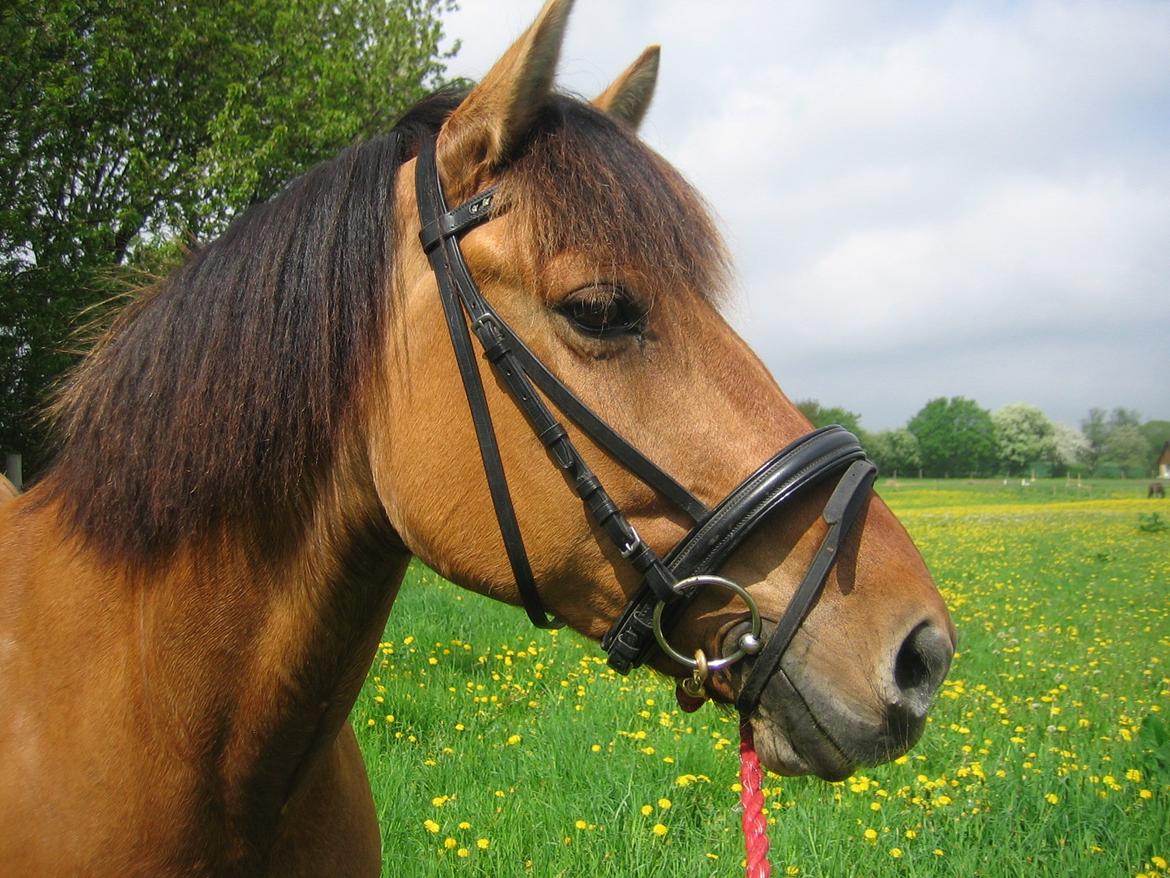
(12, 469)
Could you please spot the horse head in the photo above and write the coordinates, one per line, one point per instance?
(596, 262)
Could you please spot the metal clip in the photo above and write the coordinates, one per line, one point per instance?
(695, 684)
(632, 545)
(486, 320)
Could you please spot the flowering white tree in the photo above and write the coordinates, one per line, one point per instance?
(1072, 447)
(1023, 435)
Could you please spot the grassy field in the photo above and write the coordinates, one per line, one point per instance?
(496, 749)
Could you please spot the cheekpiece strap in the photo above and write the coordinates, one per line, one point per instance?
(458, 220)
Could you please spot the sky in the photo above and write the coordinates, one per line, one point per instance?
(922, 199)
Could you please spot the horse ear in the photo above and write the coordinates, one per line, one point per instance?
(486, 127)
(628, 97)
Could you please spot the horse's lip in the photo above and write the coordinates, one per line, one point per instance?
(812, 748)
(783, 710)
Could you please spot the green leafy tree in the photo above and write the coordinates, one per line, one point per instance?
(1023, 436)
(126, 124)
(823, 416)
(955, 436)
(1123, 417)
(1121, 444)
(894, 451)
(1095, 428)
(1128, 450)
(1157, 433)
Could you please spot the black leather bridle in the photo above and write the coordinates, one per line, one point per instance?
(671, 582)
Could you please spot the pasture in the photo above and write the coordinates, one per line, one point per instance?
(496, 749)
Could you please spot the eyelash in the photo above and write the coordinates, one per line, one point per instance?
(604, 311)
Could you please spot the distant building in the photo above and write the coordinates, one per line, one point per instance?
(1164, 462)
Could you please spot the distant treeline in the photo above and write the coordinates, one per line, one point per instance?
(957, 437)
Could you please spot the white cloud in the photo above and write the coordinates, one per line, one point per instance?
(961, 199)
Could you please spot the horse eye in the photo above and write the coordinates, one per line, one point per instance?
(604, 312)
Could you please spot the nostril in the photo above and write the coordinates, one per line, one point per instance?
(910, 667)
(920, 666)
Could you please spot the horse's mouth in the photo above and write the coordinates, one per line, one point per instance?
(790, 740)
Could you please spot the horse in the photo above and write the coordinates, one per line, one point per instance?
(192, 594)
(1155, 490)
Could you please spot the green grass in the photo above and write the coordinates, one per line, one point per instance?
(1034, 762)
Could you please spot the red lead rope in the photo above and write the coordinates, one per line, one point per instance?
(751, 796)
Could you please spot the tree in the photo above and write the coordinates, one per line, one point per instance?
(1095, 428)
(1121, 443)
(894, 451)
(1023, 436)
(955, 437)
(1127, 449)
(124, 124)
(1123, 417)
(1157, 434)
(1070, 449)
(823, 416)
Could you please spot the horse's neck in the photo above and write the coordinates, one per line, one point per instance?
(278, 653)
(238, 671)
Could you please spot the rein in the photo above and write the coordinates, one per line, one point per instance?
(669, 583)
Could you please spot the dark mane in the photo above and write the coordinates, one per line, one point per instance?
(220, 396)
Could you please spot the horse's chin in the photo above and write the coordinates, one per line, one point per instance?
(804, 728)
(789, 741)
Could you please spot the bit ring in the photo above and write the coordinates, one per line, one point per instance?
(742, 649)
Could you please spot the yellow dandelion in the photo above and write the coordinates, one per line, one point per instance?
(664, 803)
(463, 824)
(1145, 794)
(580, 824)
(792, 870)
(896, 853)
(483, 844)
(462, 852)
(431, 826)
(647, 810)
(870, 835)
(1051, 798)
(1160, 862)
(449, 843)
(659, 830)
(513, 740)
